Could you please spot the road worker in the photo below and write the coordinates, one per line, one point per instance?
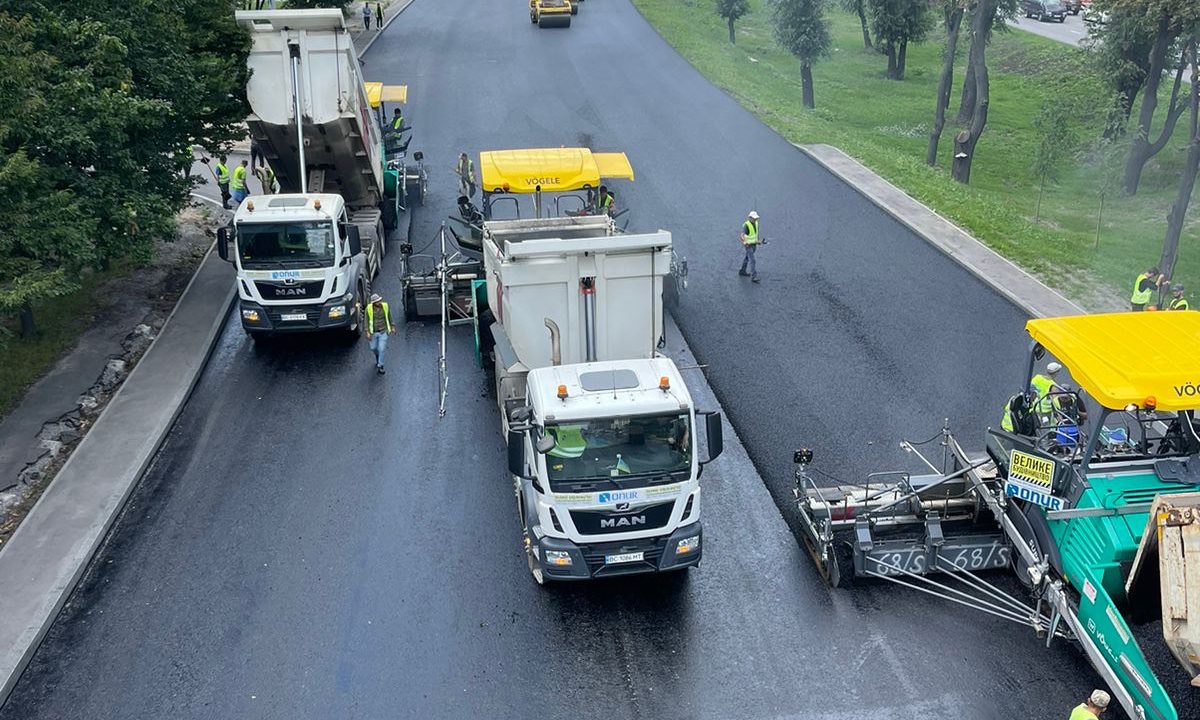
(222, 181)
(1092, 708)
(266, 176)
(378, 327)
(1042, 386)
(465, 169)
(604, 202)
(1178, 301)
(1144, 288)
(1016, 417)
(750, 239)
(238, 183)
(397, 123)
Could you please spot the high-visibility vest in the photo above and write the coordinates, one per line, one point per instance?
(604, 203)
(239, 178)
(466, 170)
(222, 174)
(267, 176)
(1006, 420)
(1140, 297)
(1179, 303)
(1043, 386)
(397, 122)
(387, 317)
(750, 230)
(1081, 712)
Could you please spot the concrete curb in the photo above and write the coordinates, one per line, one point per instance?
(53, 546)
(1018, 286)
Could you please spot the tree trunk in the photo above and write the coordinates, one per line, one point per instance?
(27, 325)
(953, 25)
(1141, 150)
(862, 20)
(891, 56)
(902, 60)
(966, 141)
(1187, 180)
(806, 84)
(966, 103)
(732, 39)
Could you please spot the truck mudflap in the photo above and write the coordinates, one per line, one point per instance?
(681, 549)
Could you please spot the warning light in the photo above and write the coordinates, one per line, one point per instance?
(562, 392)
(664, 383)
(317, 204)
(249, 206)
(1150, 403)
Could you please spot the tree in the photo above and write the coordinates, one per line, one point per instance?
(859, 8)
(802, 30)
(952, 14)
(1169, 19)
(1187, 179)
(966, 141)
(102, 100)
(1121, 49)
(896, 23)
(732, 11)
(1057, 139)
(1005, 9)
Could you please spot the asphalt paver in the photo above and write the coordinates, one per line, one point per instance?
(312, 542)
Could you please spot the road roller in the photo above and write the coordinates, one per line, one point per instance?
(551, 13)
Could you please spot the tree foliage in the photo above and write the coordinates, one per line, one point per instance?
(732, 11)
(801, 28)
(859, 9)
(1121, 50)
(102, 100)
(897, 23)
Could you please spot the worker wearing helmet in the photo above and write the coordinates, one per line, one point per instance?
(749, 238)
(1042, 386)
(1178, 301)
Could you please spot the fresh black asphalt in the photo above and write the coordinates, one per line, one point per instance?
(312, 542)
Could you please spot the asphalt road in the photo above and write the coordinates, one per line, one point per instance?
(313, 543)
(1072, 31)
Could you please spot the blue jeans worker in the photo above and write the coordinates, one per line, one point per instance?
(749, 238)
(379, 326)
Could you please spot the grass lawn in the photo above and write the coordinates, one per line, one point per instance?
(885, 124)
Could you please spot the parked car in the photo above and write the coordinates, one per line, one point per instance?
(1075, 6)
(1045, 10)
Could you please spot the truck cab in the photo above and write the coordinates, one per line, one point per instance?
(607, 469)
(300, 264)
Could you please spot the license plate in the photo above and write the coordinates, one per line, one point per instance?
(623, 558)
(289, 317)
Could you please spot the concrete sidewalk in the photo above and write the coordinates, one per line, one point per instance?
(50, 550)
(1019, 287)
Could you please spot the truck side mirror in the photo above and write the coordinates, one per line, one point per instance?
(223, 243)
(716, 437)
(516, 453)
(546, 443)
(350, 232)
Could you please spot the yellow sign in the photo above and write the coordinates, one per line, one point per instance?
(1031, 469)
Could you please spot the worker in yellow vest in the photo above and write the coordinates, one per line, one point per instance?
(1178, 301)
(749, 238)
(1144, 287)
(378, 327)
(222, 177)
(1092, 708)
(266, 177)
(238, 183)
(1043, 386)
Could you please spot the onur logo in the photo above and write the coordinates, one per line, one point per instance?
(624, 521)
(617, 496)
(1189, 389)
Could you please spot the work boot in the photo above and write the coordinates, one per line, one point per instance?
(743, 272)
(380, 370)
(754, 279)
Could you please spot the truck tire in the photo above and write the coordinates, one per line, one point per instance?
(260, 338)
(355, 329)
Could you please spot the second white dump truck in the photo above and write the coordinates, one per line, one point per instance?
(600, 426)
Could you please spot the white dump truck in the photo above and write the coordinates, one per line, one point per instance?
(600, 426)
(305, 258)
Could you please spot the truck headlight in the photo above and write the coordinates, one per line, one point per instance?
(250, 315)
(337, 311)
(688, 545)
(560, 558)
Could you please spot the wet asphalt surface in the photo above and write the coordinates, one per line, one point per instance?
(312, 542)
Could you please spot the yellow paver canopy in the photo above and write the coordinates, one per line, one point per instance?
(377, 92)
(551, 169)
(1122, 358)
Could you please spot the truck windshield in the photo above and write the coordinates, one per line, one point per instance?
(647, 446)
(300, 244)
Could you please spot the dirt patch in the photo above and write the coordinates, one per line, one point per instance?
(133, 306)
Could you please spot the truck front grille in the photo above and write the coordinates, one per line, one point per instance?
(652, 548)
(599, 522)
(272, 290)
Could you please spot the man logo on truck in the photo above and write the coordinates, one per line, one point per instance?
(625, 521)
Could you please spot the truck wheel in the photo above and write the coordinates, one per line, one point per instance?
(260, 338)
(354, 329)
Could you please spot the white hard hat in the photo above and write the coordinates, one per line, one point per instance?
(753, 215)
(1099, 699)
(375, 298)
(1053, 368)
